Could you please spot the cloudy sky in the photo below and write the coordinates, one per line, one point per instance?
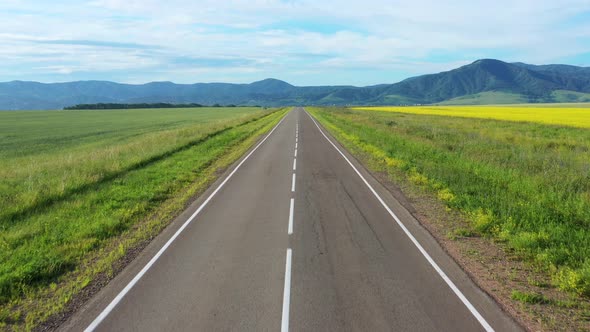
(303, 42)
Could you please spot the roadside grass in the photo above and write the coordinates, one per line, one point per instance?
(119, 188)
(529, 298)
(575, 115)
(524, 184)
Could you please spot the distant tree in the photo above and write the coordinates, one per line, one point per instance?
(106, 106)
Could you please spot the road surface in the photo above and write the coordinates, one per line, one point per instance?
(296, 236)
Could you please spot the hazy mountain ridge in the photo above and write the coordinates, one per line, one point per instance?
(532, 83)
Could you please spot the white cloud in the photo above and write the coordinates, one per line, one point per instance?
(282, 38)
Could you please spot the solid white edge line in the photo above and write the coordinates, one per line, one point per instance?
(290, 229)
(442, 274)
(293, 183)
(134, 281)
(286, 293)
(294, 164)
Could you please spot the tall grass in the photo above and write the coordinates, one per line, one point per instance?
(524, 183)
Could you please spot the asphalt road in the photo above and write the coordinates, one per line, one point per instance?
(296, 236)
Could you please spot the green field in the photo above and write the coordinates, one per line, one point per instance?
(500, 97)
(486, 98)
(79, 188)
(524, 184)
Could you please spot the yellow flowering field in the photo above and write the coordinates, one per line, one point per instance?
(555, 115)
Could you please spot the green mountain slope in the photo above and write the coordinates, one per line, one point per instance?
(565, 96)
(487, 98)
(534, 83)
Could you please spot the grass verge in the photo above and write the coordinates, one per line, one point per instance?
(52, 251)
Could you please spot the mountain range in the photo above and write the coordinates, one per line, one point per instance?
(485, 81)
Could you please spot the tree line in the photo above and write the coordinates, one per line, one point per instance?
(110, 106)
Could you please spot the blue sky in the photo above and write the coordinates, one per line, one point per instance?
(299, 41)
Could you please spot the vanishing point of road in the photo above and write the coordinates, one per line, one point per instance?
(296, 235)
